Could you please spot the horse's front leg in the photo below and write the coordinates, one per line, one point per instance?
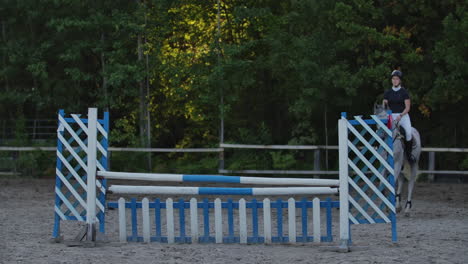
(400, 181)
(408, 206)
(399, 184)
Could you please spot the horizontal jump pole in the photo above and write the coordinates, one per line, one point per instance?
(170, 150)
(215, 178)
(293, 147)
(128, 189)
(289, 172)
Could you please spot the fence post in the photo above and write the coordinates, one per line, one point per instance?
(317, 162)
(3, 130)
(34, 128)
(221, 160)
(91, 182)
(431, 177)
(344, 202)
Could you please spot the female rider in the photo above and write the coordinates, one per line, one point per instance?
(398, 100)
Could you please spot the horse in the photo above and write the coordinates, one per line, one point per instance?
(400, 159)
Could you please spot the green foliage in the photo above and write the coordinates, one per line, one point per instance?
(464, 164)
(451, 53)
(249, 160)
(36, 164)
(29, 164)
(191, 164)
(19, 131)
(129, 161)
(284, 69)
(125, 132)
(283, 161)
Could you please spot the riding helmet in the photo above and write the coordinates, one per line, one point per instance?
(397, 73)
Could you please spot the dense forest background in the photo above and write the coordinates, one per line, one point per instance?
(275, 72)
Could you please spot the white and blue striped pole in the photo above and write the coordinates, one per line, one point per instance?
(164, 177)
(128, 189)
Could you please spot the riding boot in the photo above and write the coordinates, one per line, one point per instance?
(409, 150)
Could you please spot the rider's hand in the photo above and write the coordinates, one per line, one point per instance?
(398, 118)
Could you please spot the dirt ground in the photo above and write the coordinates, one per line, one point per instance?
(436, 232)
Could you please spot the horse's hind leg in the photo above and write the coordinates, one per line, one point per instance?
(414, 168)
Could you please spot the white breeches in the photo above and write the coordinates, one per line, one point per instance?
(405, 122)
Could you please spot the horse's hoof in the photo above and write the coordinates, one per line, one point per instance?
(398, 209)
(408, 208)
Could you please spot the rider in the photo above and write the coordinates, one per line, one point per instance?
(398, 100)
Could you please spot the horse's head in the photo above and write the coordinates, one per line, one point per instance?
(380, 111)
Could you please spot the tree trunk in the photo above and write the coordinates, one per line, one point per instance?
(144, 113)
(221, 92)
(142, 97)
(104, 77)
(326, 136)
(7, 85)
(148, 116)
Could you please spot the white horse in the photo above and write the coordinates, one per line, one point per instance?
(400, 159)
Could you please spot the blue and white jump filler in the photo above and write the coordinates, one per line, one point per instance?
(365, 188)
